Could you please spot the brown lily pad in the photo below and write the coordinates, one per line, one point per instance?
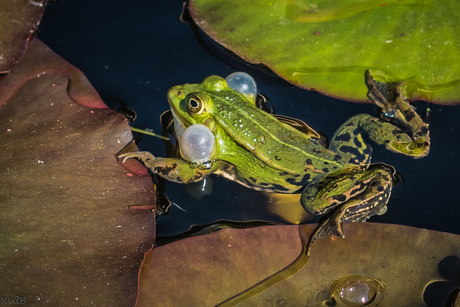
(39, 60)
(207, 269)
(19, 19)
(66, 235)
(399, 260)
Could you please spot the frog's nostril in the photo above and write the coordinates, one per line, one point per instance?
(179, 93)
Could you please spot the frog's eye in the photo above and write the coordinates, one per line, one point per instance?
(194, 105)
(243, 83)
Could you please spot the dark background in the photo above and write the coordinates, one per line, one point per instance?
(135, 51)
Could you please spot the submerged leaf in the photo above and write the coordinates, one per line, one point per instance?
(327, 45)
(66, 235)
(19, 20)
(396, 261)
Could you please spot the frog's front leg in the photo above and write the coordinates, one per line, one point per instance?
(172, 169)
(362, 194)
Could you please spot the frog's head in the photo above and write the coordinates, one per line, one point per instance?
(203, 103)
(194, 103)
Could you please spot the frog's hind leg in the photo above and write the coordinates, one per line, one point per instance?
(349, 143)
(371, 202)
(400, 128)
(403, 129)
(325, 193)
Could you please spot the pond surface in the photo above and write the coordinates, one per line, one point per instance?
(136, 51)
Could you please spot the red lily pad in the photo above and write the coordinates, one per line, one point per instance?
(19, 20)
(67, 236)
(206, 270)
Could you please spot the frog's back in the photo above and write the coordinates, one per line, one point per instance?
(278, 145)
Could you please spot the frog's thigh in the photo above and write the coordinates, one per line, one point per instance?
(334, 190)
(177, 170)
(371, 202)
(348, 141)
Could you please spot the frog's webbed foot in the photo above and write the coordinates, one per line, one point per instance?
(410, 134)
(380, 93)
(328, 227)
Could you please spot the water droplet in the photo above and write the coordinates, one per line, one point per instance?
(357, 292)
(206, 165)
(389, 113)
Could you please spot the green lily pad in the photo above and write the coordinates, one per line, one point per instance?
(327, 45)
(398, 261)
(18, 21)
(67, 237)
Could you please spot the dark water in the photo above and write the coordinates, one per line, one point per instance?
(135, 51)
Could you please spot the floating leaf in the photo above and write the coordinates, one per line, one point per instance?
(327, 45)
(66, 235)
(19, 20)
(39, 60)
(398, 261)
(205, 270)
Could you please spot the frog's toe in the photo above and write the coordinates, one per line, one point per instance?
(339, 231)
(124, 158)
(141, 155)
(328, 227)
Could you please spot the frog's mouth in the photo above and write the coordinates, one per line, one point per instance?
(179, 123)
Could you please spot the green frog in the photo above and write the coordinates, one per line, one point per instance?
(221, 131)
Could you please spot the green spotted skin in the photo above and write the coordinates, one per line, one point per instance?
(255, 149)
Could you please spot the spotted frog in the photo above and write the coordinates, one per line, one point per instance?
(221, 131)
